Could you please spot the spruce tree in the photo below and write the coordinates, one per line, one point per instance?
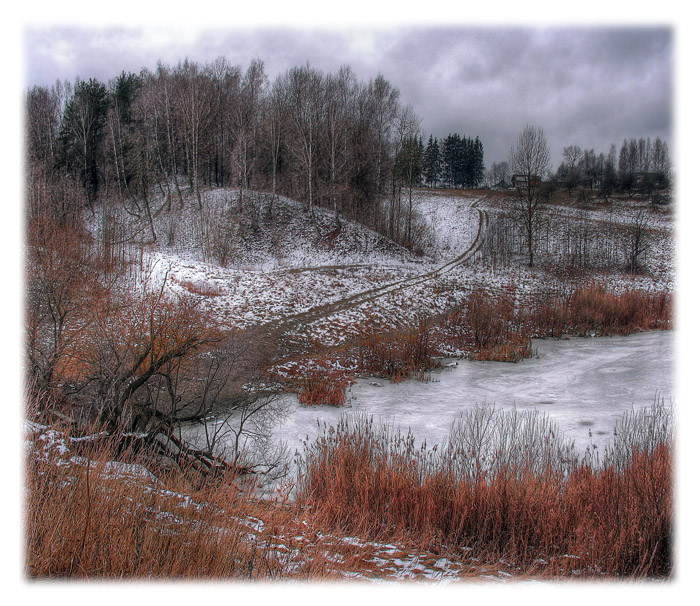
(82, 132)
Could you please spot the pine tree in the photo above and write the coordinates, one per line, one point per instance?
(477, 163)
(82, 132)
(432, 162)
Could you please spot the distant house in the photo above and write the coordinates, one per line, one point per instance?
(518, 181)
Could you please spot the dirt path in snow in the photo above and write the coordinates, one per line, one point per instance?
(291, 322)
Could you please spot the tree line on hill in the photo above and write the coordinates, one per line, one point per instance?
(641, 166)
(329, 140)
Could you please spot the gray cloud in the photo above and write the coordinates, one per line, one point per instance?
(586, 86)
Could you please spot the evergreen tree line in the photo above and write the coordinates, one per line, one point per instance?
(329, 140)
(455, 161)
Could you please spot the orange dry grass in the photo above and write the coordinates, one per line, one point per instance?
(397, 356)
(324, 388)
(321, 382)
(86, 526)
(202, 289)
(592, 309)
(85, 522)
(489, 326)
(624, 516)
(614, 520)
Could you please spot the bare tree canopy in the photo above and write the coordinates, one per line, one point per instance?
(530, 156)
(530, 162)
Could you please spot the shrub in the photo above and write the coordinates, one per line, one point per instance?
(488, 326)
(324, 387)
(399, 355)
(594, 310)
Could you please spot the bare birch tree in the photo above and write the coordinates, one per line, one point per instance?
(338, 88)
(193, 102)
(530, 162)
(304, 86)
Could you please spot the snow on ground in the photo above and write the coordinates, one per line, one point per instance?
(243, 297)
(451, 220)
(620, 214)
(342, 283)
(55, 447)
(307, 277)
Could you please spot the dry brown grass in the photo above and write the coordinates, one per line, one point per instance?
(594, 310)
(398, 355)
(489, 326)
(499, 496)
(85, 521)
(203, 289)
(324, 385)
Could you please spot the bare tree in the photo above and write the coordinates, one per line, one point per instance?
(303, 86)
(383, 106)
(337, 91)
(498, 173)
(43, 118)
(247, 117)
(637, 240)
(274, 124)
(155, 105)
(530, 162)
(407, 157)
(195, 113)
(572, 155)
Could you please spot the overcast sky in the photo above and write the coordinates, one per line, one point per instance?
(589, 86)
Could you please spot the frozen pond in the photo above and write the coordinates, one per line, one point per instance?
(584, 384)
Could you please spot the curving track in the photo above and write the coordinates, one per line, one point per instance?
(372, 294)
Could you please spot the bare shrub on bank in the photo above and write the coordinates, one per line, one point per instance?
(398, 355)
(488, 326)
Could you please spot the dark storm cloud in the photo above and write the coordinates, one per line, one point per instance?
(588, 87)
(585, 86)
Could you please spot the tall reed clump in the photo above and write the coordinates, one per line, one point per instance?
(324, 386)
(594, 310)
(399, 355)
(505, 485)
(489, 327)
(627, 527)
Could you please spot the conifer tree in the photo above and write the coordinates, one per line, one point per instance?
(82, 131)
(432, 162)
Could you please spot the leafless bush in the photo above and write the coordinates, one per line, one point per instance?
(486, 440)
(221, 226)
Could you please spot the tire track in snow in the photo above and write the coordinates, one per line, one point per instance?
(316, 313)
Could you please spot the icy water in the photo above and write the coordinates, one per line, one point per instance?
(584, 384)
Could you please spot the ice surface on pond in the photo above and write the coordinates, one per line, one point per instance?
(584, 384)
